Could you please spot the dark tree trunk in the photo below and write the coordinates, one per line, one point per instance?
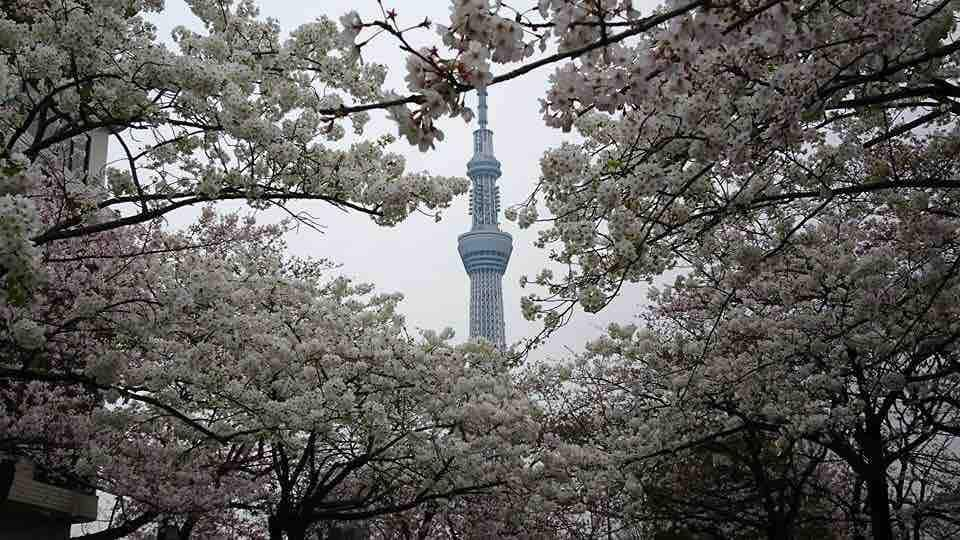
(8, 468)
(879, 500)
(778, 527)
(275, 528)
(296, 530)
(878, 497)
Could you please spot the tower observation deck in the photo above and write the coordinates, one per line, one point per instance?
(485, 250)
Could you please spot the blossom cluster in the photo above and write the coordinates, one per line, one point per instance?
(235, 110)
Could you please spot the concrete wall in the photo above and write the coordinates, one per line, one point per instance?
(75, 506)
(40, 511)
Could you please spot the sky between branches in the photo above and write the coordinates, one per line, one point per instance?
(419, 257)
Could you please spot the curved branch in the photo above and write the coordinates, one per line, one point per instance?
(64, 230)
(122, 531)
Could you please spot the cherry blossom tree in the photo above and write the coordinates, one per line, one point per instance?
(234, 113)
(356, 419)
(795, 156)
(113, 375)
(248, 394)
(722, 112)
(61, 407)
(715, 125)
(835, 354)
(692, 114)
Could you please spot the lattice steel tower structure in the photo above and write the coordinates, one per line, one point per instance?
(485, 250)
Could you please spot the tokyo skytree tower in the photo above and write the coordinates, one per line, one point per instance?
(485, 250)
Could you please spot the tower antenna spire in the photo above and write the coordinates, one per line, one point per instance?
(482, 107)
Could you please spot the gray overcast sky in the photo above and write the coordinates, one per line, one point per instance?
(419, 257)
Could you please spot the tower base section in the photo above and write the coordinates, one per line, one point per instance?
(485, 255)
(486, 307)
